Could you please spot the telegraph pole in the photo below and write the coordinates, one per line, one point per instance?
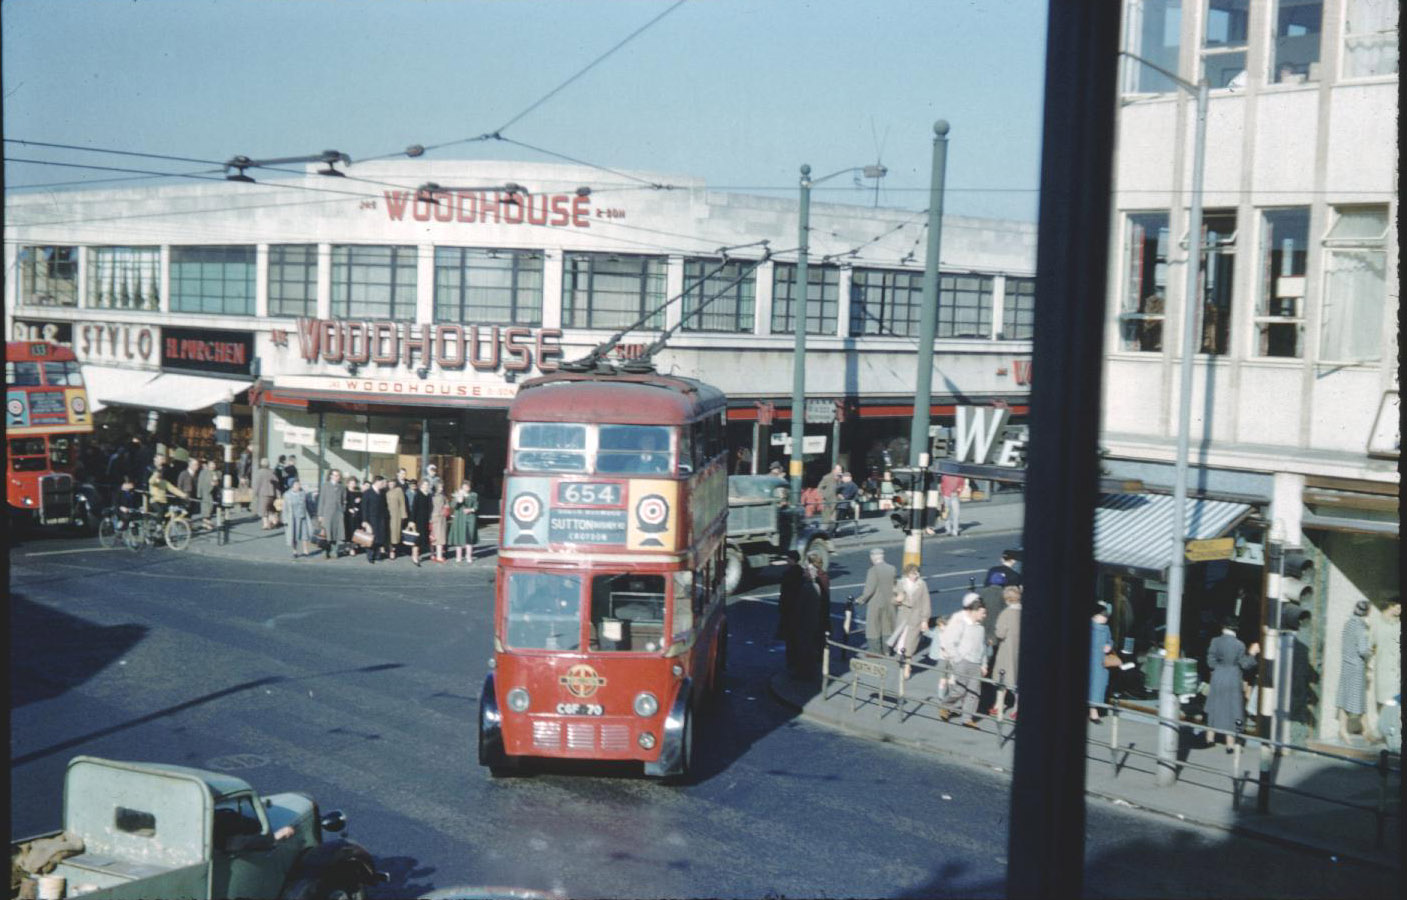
(928, 329)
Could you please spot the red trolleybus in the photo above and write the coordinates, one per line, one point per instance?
(609, 619)
(46, 409)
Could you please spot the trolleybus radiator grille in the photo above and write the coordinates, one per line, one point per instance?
(547, 734)
(581, 736)
(615, 737)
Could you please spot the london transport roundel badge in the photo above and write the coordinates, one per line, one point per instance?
(16, 407)
(582, 681)
(526, 509)
(79, 405)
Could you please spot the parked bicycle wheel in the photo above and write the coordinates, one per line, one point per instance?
(107, 531)
(178, 533)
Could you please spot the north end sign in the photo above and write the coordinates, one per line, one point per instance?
(484, 348)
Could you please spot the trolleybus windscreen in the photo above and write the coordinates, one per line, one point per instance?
(551, 447)
(544, 611)
(627, 612)
(633, 450)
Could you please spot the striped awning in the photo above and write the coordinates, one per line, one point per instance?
(1135, 531)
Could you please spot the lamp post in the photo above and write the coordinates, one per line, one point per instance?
(1172, 636)
(800, 308)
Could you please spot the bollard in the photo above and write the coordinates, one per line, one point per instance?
(1381, 811)
(1263, 788)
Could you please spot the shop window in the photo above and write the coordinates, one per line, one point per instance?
(1146, 242)
(885, 302)
(124, 278)
(965, 306)
(1355, 285)
(607, 290)
(1370, 38)
(1224, 43)
(1155, 34)
(1284, 255)
(1295, 53)
(721, 301)
(293, 280)
(823, 296)
(217, 280)
(373, 282)
(49, 276)
(1019, 309)
(1218, 273)
(503, 286)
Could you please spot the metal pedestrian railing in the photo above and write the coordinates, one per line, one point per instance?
(871, 671)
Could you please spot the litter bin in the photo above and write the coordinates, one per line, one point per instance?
(1185, 679)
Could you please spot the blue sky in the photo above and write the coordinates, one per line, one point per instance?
(738, 92)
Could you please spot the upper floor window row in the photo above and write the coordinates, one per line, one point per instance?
(1292, 35)
(1352, 291)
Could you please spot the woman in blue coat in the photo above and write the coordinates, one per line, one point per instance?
(1228, 658)
(1101, 641)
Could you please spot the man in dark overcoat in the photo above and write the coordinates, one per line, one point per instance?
(374, 514)
(332, 503)
(789, 613)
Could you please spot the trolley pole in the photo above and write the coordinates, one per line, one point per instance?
(928, 329)
(800, 308)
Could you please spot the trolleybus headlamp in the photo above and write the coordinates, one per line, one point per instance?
(647, 740)
(646, 705)
(677, 670)
(518, 700)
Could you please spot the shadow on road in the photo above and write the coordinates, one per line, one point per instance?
(52, 652)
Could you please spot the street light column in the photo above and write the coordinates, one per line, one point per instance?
(799, 318)
(1172, 636)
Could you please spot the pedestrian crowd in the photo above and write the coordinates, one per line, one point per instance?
(169, 480)
(381, 519)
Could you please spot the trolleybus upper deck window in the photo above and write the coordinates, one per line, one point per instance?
(544, 611)
(633, 450)
(627, 612)
(551, 447)
(65, 374)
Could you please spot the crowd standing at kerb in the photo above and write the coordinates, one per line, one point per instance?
(424, 521)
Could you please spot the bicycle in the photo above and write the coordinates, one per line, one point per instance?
(146, 529)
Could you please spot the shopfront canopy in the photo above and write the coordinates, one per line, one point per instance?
(169, 392)
(110, 381)
(1135, 531)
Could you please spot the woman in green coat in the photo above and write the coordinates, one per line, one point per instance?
(464, 524)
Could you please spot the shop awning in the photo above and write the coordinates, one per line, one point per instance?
(1135, 531)
(169, 392)
(110, 381)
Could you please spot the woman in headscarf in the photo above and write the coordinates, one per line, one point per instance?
(1228, 658)
(299, 530)
(439, 519)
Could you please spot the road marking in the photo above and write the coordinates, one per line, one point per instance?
(78, 550)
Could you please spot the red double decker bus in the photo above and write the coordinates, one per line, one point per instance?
(46, 410)
(609, 615)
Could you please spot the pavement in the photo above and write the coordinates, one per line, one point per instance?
(1214, 789)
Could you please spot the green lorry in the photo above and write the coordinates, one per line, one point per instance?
(154, 830)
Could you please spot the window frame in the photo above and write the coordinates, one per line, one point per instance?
(401, 258)
(1207, 52)
(125, 260)
(738, 302)
(1346, 37)
(1264, 318)
(1359, 245)
(651, 295)
(1138, 78)
(59, 278)
(827, 307)
(950, 291)
(1212, 257)
(892, 299)
(1312, 67)
(1152, 326)
(194, 271)
(459, 303)
(277, 279)
(1018, 309)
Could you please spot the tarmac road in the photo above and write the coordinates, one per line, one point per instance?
(359, 684)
